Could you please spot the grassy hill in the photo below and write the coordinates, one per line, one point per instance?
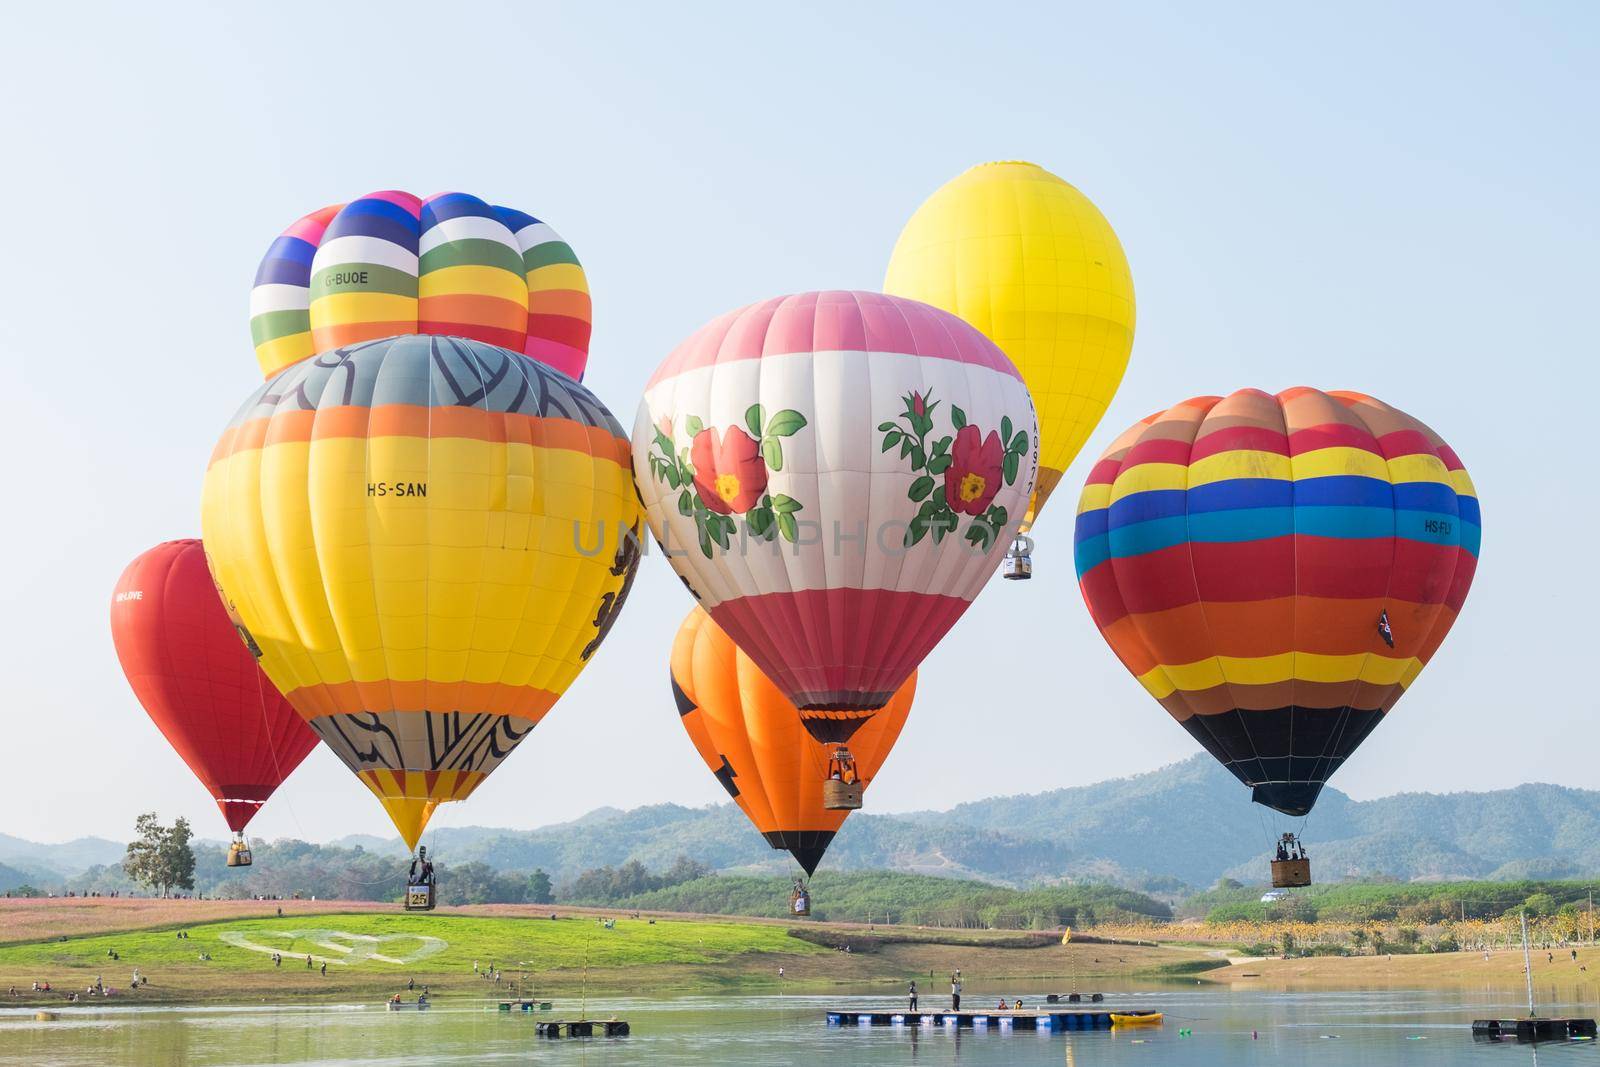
(885, 896)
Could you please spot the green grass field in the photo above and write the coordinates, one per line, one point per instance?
(431, 943)
(373, 954)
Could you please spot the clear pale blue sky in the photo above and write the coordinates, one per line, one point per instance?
(1393, 198)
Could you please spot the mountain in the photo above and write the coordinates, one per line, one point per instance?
(1182, 826)
(1188, 823)
(60, 861)
(11, 878)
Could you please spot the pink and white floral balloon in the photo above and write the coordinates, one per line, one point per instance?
(835, 476)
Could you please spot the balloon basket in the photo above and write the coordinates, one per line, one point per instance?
(799, 902)
(1291, 874)
(420, 898)
(238, 854)
(1018, 564)
(841, 796)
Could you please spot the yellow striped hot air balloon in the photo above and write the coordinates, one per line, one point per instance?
(1030, 261)
(420, 536)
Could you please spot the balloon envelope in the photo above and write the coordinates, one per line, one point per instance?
(835, 476)
(423, 535)
(392, 263)
(752, 739)
(200, 684)
(1276, 571)
(1030, 261)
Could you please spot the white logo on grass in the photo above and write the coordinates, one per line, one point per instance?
(340, 949)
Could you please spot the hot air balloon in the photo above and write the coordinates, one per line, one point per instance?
(1030, 261)
(751, 738)
(1276, 571)
(835, 476)
(392, 263)
(201, 686)
(426, 538)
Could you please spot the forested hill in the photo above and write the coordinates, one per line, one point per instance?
(1188, 823)
(1181, 826)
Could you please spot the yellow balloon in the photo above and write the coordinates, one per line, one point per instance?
(422, 538)
(1030, 261)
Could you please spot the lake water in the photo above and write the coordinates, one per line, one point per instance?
(1387, 1028)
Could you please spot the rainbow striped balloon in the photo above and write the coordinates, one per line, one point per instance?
(391, 263)
(1276, 570)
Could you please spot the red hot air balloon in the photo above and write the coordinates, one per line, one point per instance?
(194, 675)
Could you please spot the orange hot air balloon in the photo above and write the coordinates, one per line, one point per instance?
(752, 739)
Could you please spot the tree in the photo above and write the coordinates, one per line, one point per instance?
(1540, 905)
(177, 858)
(540, 891)
(632, 877)
(470, 883)
(142, 862)
(160, 857)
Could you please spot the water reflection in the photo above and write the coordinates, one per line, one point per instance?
(1226, 1029)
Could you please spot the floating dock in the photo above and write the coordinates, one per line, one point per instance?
(1533, 1028)
(981, 1020)
(582, 1028)
(524, 1004)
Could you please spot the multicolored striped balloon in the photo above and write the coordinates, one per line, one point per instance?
(1276, 571)
(391, 263)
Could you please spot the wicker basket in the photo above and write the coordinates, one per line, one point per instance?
(1291, 874)
(841, 796)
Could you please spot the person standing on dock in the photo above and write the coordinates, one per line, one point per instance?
(912, 997)
(955, 991)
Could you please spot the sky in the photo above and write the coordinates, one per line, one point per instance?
(1397, 199)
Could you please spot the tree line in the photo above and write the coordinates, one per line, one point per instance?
(1419, 903)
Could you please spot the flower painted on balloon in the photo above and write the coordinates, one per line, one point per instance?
(729, 473)
(724, 473)
(974, 466)
(973, 477)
